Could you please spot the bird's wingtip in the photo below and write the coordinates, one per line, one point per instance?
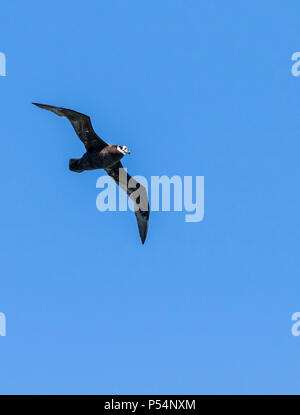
(143, 238)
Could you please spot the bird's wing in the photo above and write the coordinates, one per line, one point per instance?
(81, 124)
(142, 210)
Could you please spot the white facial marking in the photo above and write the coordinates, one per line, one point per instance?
(121, 150)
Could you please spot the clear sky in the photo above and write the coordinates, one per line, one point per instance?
(192, 88)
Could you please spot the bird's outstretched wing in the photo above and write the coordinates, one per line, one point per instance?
(129, 185)
(81, 124)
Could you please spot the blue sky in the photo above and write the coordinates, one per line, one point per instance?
(192, 88)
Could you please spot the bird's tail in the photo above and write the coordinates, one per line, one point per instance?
(75, 165)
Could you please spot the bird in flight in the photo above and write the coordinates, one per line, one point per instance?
(101, 155)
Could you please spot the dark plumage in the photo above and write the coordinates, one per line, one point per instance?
(100, 155)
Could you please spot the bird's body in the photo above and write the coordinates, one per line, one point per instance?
(101, 155)
(94, 159)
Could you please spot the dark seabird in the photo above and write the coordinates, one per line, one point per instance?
(100, 155)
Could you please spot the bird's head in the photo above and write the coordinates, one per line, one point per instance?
(123, 149)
